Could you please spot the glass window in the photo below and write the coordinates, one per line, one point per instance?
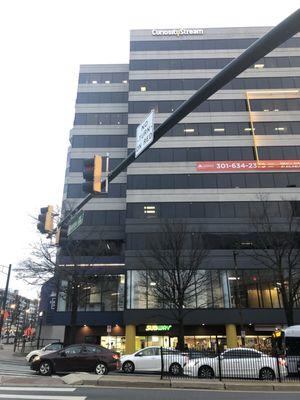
(73, 350)
(148, 352)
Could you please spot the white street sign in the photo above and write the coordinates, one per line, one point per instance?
(144, 134)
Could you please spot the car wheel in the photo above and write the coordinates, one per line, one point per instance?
(206, 372)
(175, 369)
(128, 367)
(266, 374)
(101, 369)
(45, 368)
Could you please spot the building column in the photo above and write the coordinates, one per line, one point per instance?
(231, 336)
(130, 332)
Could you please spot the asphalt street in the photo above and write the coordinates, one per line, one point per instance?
(85, 393)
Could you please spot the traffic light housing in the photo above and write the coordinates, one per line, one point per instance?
(61, 235)
(92, 171)
(45, 218)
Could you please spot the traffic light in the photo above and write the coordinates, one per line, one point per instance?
(92, 170)
(61, 235)
(46, 220)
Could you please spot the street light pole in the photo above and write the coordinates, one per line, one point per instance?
(237, 298)
(40, 328)
(4, 304)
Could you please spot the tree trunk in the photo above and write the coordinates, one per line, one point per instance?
(180, 344)
(289, 315)
(73, 317)
(288, 308)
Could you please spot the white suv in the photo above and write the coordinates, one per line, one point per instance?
(45, 350)
(237, 363)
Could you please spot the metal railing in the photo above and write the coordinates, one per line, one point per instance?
(25, 346)
(232, 364)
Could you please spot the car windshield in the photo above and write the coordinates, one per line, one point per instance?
(53, 346)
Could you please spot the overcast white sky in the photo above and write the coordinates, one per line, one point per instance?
(43, 42)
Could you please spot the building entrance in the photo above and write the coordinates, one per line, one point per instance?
(161, 341)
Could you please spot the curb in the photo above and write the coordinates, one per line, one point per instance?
(77, 380)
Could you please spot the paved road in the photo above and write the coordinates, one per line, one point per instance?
(15, 367)
(52, 393)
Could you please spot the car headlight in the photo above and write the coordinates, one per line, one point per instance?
(37, 358)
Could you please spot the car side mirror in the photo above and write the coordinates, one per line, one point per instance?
(62, 353)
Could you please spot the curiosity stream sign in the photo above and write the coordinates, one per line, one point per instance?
(176, 32)
(144, 134)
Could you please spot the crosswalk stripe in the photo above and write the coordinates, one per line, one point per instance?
(13, 374)
(40, 397)
(35, 389)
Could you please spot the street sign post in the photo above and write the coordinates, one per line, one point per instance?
(75, 222)
(144, 134)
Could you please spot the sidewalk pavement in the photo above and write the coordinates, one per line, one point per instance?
(34, 381)
(154, 381)
(7, 353)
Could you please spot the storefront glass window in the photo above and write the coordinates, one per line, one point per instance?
(249, 288)
(95, 293)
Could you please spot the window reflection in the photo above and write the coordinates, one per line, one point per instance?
(255, 289)
(96, 293)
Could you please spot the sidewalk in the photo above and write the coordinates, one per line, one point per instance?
(7, 353)
(139, 381)
(154, 381)
(35, 381)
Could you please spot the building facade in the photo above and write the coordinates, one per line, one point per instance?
(21, 314)
(203, 172)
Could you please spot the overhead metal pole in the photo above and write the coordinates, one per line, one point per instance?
(272, 39)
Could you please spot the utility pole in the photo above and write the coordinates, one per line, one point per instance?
(4, 304)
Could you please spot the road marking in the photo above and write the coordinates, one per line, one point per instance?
(40, 397)
(35, 389)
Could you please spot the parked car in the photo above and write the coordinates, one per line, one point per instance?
(149, 359)
(290, 345)
(77, 357)
(237, 363)
(45, 350)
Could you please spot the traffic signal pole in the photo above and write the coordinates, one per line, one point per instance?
(272, 39)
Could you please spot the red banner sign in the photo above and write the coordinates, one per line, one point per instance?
(263, 165)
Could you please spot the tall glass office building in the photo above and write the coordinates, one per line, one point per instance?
(203, 172)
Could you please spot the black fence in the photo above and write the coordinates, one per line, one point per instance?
(24, 345)
(238, 363)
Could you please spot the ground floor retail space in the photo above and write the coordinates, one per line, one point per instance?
(130, 338)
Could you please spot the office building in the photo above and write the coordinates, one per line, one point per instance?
(204, 172)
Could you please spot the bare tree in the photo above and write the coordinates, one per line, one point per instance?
(173, 274)
(276, 246)
(44, 264)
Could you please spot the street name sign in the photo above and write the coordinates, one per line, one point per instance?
(144, 134)
(75, 222)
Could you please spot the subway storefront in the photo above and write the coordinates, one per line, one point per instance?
(203, 337)
(199, 337)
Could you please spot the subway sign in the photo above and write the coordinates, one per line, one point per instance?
(158, 328)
